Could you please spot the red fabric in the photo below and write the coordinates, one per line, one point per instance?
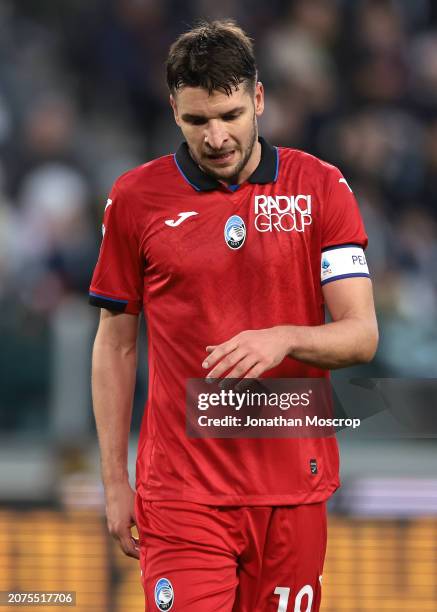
(196, 291)
(232, 559)
(120, 267)
(341, 218)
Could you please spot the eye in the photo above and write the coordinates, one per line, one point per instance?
(230, 117)
(196, 121)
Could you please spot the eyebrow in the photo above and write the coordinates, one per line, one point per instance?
(232, 111)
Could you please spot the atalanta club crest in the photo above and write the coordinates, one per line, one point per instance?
(235, 232)
(164, 594)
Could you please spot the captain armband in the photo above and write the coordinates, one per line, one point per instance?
(344, 261)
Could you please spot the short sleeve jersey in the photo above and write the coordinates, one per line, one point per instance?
(206, 262)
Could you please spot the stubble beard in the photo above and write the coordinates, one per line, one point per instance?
(233, 178)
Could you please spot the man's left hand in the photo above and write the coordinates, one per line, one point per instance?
(248, 354)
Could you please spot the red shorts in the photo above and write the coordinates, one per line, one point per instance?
(198, 558)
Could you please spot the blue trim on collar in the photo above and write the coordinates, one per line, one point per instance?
(277, 165)
(184, 175)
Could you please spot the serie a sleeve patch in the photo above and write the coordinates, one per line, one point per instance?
(345, 261)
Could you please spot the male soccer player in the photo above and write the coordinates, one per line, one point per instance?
(232, 247)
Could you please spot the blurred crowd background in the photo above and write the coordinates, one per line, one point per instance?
(83, 98)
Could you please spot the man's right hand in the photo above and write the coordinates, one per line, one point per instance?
(120, 515)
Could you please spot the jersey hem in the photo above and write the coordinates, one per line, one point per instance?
(294, 499)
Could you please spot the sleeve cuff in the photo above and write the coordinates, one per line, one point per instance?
(114, 304)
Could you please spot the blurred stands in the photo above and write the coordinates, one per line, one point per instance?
(371, 565)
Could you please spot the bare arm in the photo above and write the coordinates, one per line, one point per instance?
(351, 338)
(113, 383)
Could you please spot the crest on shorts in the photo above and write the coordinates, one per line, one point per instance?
(164, 594)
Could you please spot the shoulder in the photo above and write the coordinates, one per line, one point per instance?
(149, 176)
(294, 160)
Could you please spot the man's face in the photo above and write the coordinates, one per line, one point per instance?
(220, 130)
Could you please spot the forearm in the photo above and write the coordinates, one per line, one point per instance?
(334, 345)
(113, 384)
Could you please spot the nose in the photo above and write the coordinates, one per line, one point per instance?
(216, 135)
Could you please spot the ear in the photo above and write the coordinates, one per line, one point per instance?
(259, 99)
(175, 109)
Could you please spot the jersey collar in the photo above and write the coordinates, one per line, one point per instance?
(266, 172)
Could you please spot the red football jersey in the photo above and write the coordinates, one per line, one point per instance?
(206, 262)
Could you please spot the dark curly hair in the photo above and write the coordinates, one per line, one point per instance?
(215, 55)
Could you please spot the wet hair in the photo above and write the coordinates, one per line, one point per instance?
(215, 55)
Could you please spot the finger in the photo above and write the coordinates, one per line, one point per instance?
(255, 372)
(230, 380)
(226, 363)
(219, 352)
(130, 546)
(247, 381)
(210, 348)
(135, 540)
(242, 367)
(130, 551)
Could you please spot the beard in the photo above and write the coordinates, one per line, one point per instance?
(231, 174)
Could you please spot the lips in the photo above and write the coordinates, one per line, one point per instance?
(224, 157)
